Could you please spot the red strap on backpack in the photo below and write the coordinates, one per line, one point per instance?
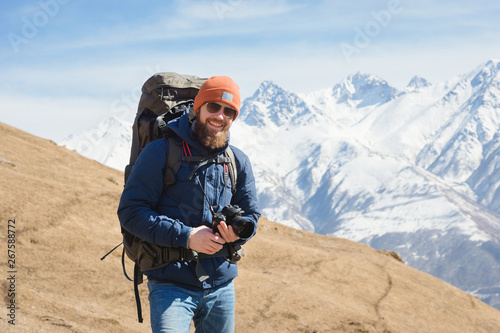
(187, 151)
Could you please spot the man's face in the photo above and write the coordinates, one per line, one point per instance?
(213, 121)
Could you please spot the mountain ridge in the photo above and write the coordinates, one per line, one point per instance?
(366, 88)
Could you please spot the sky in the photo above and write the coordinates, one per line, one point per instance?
(67, 64)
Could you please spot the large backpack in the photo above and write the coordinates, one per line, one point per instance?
(165, 96)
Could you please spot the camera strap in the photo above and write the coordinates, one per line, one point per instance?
(213, 159)
(206, 197)
(201, 274)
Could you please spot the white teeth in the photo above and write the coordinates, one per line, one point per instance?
(211, 123)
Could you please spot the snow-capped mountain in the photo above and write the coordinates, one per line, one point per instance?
(456, 146)
(108, 143)
(360, 90)
(416, 83)
(272, 106)
(416, 171)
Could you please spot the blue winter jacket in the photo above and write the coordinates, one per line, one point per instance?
(166, 217)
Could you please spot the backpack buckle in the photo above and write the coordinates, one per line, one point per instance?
(182, 254)
(222, 159)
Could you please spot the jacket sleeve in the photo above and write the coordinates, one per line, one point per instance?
(246, 192)
(141, 195)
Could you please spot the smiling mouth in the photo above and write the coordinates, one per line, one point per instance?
(215, 125)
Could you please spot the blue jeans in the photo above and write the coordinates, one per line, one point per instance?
(173, 307)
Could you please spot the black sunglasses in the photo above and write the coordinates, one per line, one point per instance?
(213, 107)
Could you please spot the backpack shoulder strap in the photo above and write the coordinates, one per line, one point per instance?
(233, 173)
(174, 159)
(174, 151)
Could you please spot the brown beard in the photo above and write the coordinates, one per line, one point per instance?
(213, 141)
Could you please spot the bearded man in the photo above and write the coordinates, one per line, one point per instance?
(180, 216)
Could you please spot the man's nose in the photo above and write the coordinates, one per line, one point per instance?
(220, 114)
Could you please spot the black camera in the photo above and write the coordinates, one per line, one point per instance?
(232, 216)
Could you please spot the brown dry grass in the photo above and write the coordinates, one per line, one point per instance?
(290, 281)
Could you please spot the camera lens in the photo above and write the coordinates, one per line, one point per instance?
(242, 227)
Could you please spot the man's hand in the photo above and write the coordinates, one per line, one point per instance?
(203, 240)
(227, 232)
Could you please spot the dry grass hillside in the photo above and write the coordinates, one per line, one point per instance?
(64, 207)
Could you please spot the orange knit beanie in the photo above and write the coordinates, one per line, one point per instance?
(220, 89)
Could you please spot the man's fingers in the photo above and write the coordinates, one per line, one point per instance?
(212, 247)
(227, 232)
